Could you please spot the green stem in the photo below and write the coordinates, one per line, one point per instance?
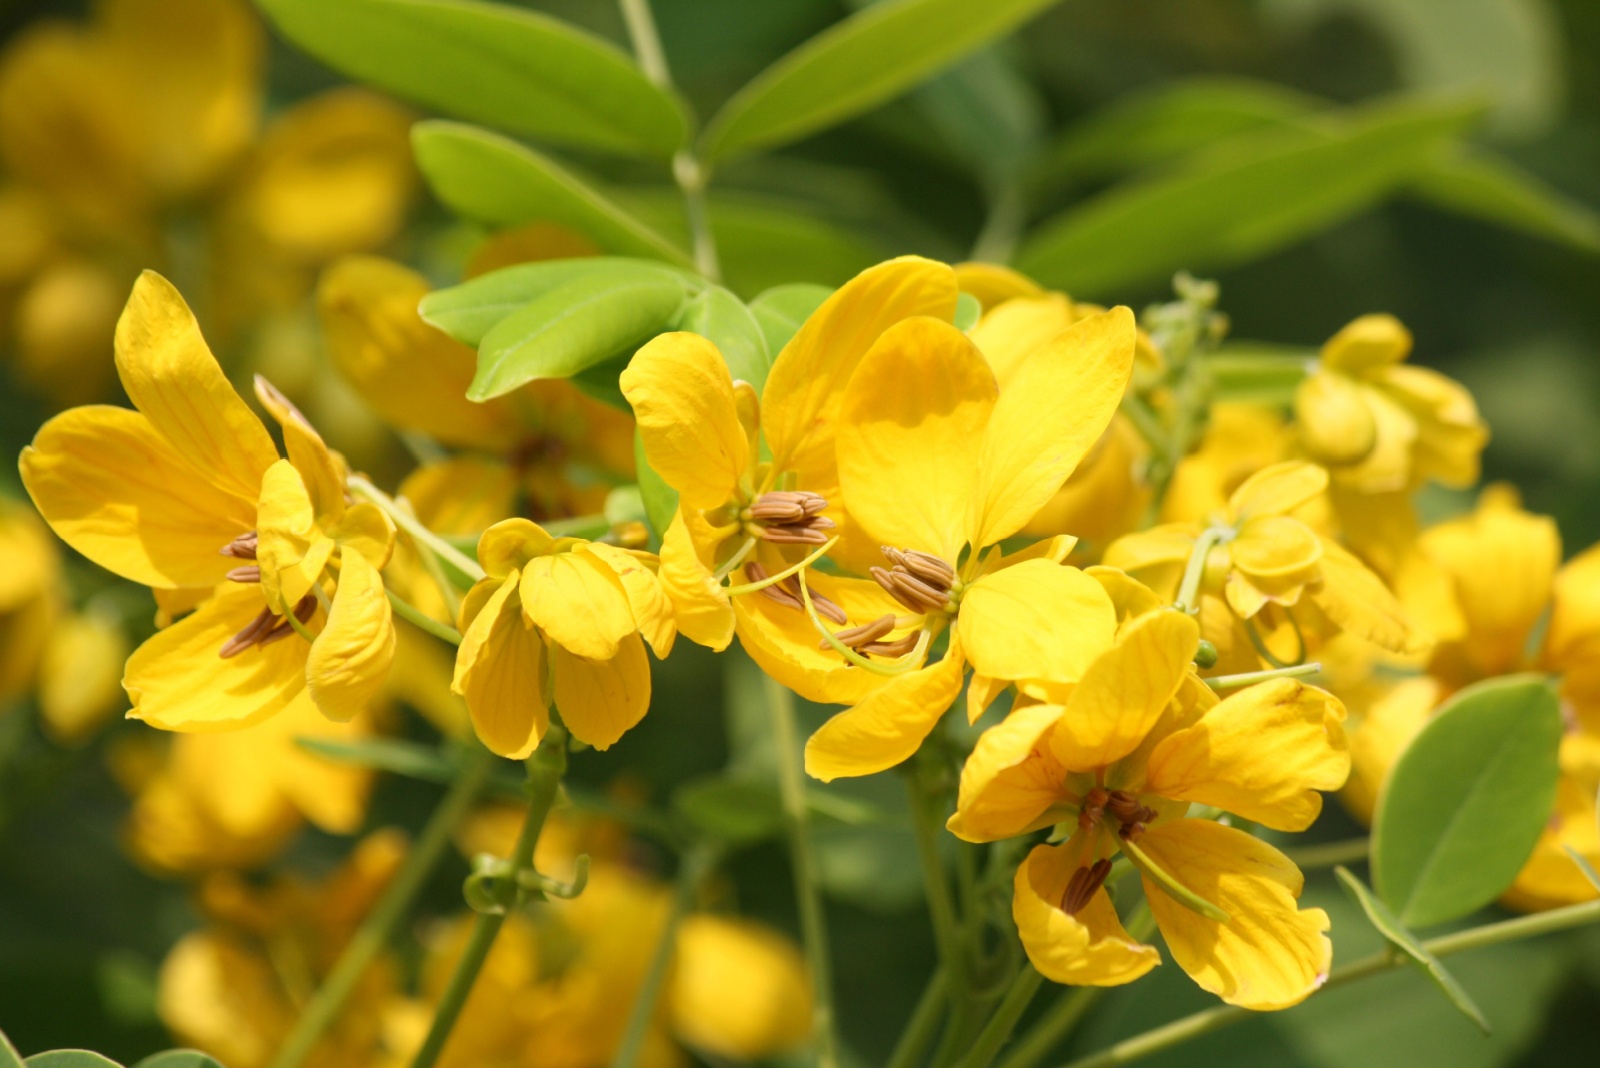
(690, 874)
(994, 1034)
(1327, 854)
(1197, 1024)
(1189, 591)
(1250, 678)
(1008, 214)
(941, 905)
(360, 487)
(420, 619)
(545, 768)
(813, 922)
(687, 170)
(380, 923)
(924, 1022)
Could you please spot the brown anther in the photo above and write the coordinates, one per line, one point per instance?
(794, 535)
(1133, 817)
(862, 635)
(787, 593)
(791, 517)
(1093, 807)
(910, 590)
(247, 573)
(241, 548)
(1083, 885)
(267, 628)
(899, 647)
(924, 566)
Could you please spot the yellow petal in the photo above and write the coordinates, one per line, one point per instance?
(578, 602)
(652, 610)
(500, 671)
(1276, 549)
(1124, 692)
(119, 493)
(739, 990)
(994, 284)
(1262, 753)
(171, 376)
(981, 692)
(1336, 423)
(331, 795)
(1011, 332)
(909, 433)
(1277, 490)
(1157, 547)
(1036, 620)
(365, 529)
(800, 402)
(1369, 342)
(1090, 948)
(600, 700)
(1048, 417)
(1450, 433)
(1573, 638)
(1270, 954)
(291, 549)
(177, 682)
(783, 641)
(682, 397)
(1130, 598)
(1387, 727)
(1359, 602)
(699, 601)
(1389, 467)
(350, 658)
(1010, 782)
(510, 545)
(889, 724)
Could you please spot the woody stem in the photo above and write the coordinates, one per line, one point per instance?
(1181, 1030)
(380, 923)
(545, 768)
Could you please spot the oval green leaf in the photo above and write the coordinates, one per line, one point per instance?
(723, 319)
(70, 1058)
(9, 1058)
(574, 326)
(1261, 192)
(493, 180)
(179, 1058)
(855, 64)
(468, 311)
(782, 309)
(1466, 802)
(506, 67)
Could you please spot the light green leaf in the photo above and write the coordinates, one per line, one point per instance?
(861, 61)
(782, 309)
(1270, 190)
(722, 317)
(506, 67)
(1480, 184)
(1464, 805)
(9, 1058)
(600, 381)
(660, 499)
(1384, 920)
(467, 311)
(493, 180)
(69, 1058)
(576, 325)
(990, 116)
(179, 1058)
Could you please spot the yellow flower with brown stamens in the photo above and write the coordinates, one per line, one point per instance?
(1380, 424)
(188, 492)
(939, 463)
(562, 620)
(1119, 757)
(1256, 555)
(741, 515)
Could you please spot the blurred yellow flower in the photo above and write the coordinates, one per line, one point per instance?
(30, 571)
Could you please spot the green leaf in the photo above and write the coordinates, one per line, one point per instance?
(600, 381)
(9, 1058)
(467, 311)
(990, 115)
(721, 317)
(660, 499)
(1268, 191)
(735, 810)
(855, 64)
(179, 1058)
(69, 1058)
(493, 180)
(506, 67)
(1474, 182)
(410, 759)
(1384, 920)
(576, 325)
(1464, 805)
(782, 309)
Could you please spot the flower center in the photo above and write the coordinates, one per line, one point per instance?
(920, 581)
(1121, 805)
(267, 628)
(1083, 884)
(787, 593)
(788, 517)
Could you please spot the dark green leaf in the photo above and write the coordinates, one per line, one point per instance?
(735, 810)
(571, 327)
(1464, 805)
(720, 316)
(493, 180)
(1477, 183)
(600, 381)
(467, 311)
(69, 1058)
(864, 60)
(660, 499)
(506, 67)
(1407, 943)
(1268, 191)
(782, 309)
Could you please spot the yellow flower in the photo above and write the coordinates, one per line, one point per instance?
(938, 463)
(563, 620)
(186, 493)
(1260, 556)
(235, 987)
(30, 571)
(738, 990)
(740, 513)
(80, 675)
(1119, 757)
(1380, 424)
